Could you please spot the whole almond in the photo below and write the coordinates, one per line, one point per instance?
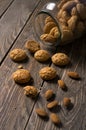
(48, 19)
(73, 75)
(61, 84)
(66, 101)
(61, 4)
(74, 11)
(72, 22)
(48, 94)
(81, 10)
(41, 112)
(52, 104)
(69, 5)
(55, 119)
(48, 38)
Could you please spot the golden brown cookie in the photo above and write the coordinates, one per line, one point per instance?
(31, 91)
(60, 59)
(47, 73)
(32, 46)
(18, 55)
(21, 76)
(41, 55)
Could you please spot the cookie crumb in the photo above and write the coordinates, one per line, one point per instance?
(66, 101)
(73, 75)
(20, 67)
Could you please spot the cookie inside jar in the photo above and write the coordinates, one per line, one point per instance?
(66, 22)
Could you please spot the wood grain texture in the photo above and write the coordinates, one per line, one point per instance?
(4, 5)
(13, 22)
(74, 118)
(17, 112)
(15, 107)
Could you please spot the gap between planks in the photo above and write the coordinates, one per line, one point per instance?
(19, 34)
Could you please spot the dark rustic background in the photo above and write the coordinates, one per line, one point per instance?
(17, 112)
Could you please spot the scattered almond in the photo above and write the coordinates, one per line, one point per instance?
(52, 104)
(49, 26)
(61, 84)
(73, 75)
(66, 101)
(48, 94)
(48, 38)
(41, 112)
(55, 118)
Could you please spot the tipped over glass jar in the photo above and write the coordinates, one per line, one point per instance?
(60, 22)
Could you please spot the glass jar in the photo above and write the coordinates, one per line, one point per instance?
(60, 22)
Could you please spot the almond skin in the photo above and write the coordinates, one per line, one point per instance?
(41, 112)
(73, 75)
(55, 119)
(48, 94)
(66, 101)
(61, 84)
(52, 104)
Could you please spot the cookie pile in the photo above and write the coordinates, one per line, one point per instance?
(22, 76)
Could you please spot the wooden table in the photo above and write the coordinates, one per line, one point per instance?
(17, 112)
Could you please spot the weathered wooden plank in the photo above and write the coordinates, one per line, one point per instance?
(4, 5)
(15, 107)
(75, 117)
(13, 22)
